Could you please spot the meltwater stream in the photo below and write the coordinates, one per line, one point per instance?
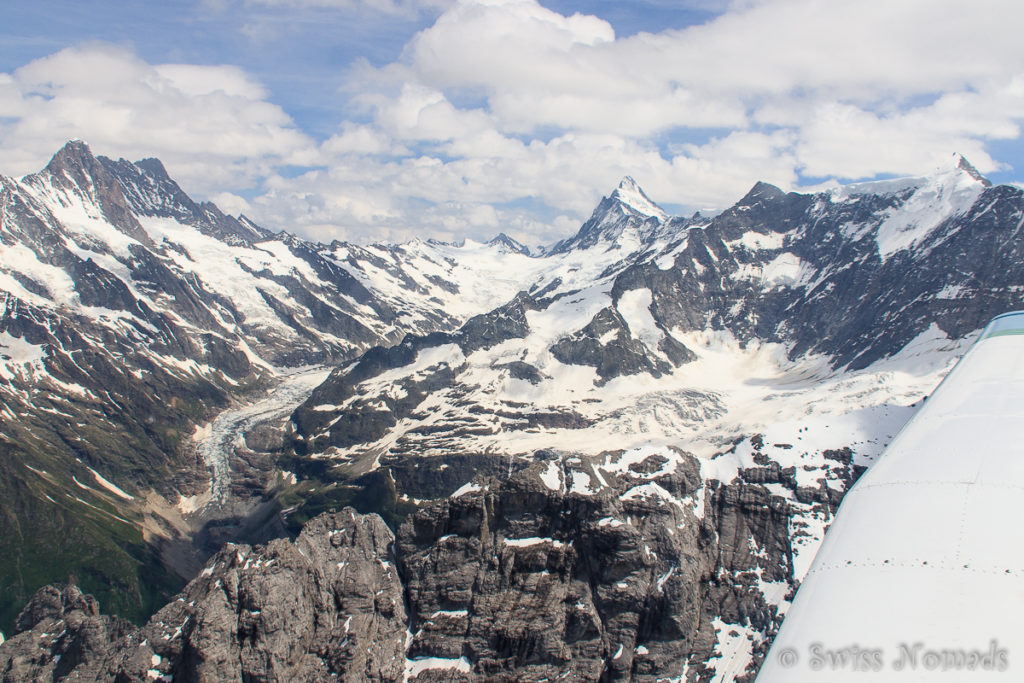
(227, 431)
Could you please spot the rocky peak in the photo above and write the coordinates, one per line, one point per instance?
(761, 192)
(74, 169)
(630, 194)
(154, 168)
(74, 155)
(628, 208)
(54, 602)
(967, 167)
(509, 244)
(150, 191)
(148, 188)
(327, 606)
(247, 222)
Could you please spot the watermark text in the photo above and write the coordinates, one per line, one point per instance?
(908, 656)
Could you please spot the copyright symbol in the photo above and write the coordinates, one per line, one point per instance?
(788, 657)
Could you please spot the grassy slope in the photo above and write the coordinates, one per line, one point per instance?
(47, 535)
(57, 522)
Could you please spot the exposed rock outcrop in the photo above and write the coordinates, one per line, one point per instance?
(573, 568)
(327, 606)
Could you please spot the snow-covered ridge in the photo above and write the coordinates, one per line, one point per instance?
(622, 353)
(934, 201)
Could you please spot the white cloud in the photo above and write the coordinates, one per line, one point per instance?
(211, 125)
(196, 81)
(421, 113)
(361, 139)
(849, 142)
(506, 115)
(868, 49)
(231, 204)
(538, 68)
(560, 108)
(476, 188)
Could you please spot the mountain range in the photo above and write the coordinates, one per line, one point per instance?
(131, 315)
(613, 457)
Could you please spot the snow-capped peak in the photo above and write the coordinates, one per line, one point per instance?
(627, 210)
(630, 194)
(960, 163)
(957, 171)
(503, 241)
(949, 192)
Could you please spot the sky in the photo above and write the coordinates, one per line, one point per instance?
(387, 120)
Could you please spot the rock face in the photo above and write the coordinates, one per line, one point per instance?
(527, 577)
(60, 631)
(527, 582)
(327, 606)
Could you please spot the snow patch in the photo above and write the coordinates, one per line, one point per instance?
(19, 357)
(445, 354)
(526, 542)
(452, 614)
(950, 292)
(757, 241)
(468, 487)
(110, 486)
(635, 308)
(414, 667)
(581, 482)
(552, 476)
(734, 650)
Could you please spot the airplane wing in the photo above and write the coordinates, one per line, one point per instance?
(921, 575)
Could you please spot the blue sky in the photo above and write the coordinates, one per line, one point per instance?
(391, 119)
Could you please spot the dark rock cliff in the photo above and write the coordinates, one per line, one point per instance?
(508, 580)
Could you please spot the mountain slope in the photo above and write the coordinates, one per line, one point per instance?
(697, 392)
(781, 343)
(130, 315)
(797, 287)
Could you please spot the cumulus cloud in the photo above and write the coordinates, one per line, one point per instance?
(559, 107)
(213, 126)
(507, 115)
(538, 68)
(478, 186)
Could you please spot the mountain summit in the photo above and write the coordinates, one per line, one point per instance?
(966, 166)
(624, 220)
(630, 194)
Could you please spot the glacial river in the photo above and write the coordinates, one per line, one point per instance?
(227, 431)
